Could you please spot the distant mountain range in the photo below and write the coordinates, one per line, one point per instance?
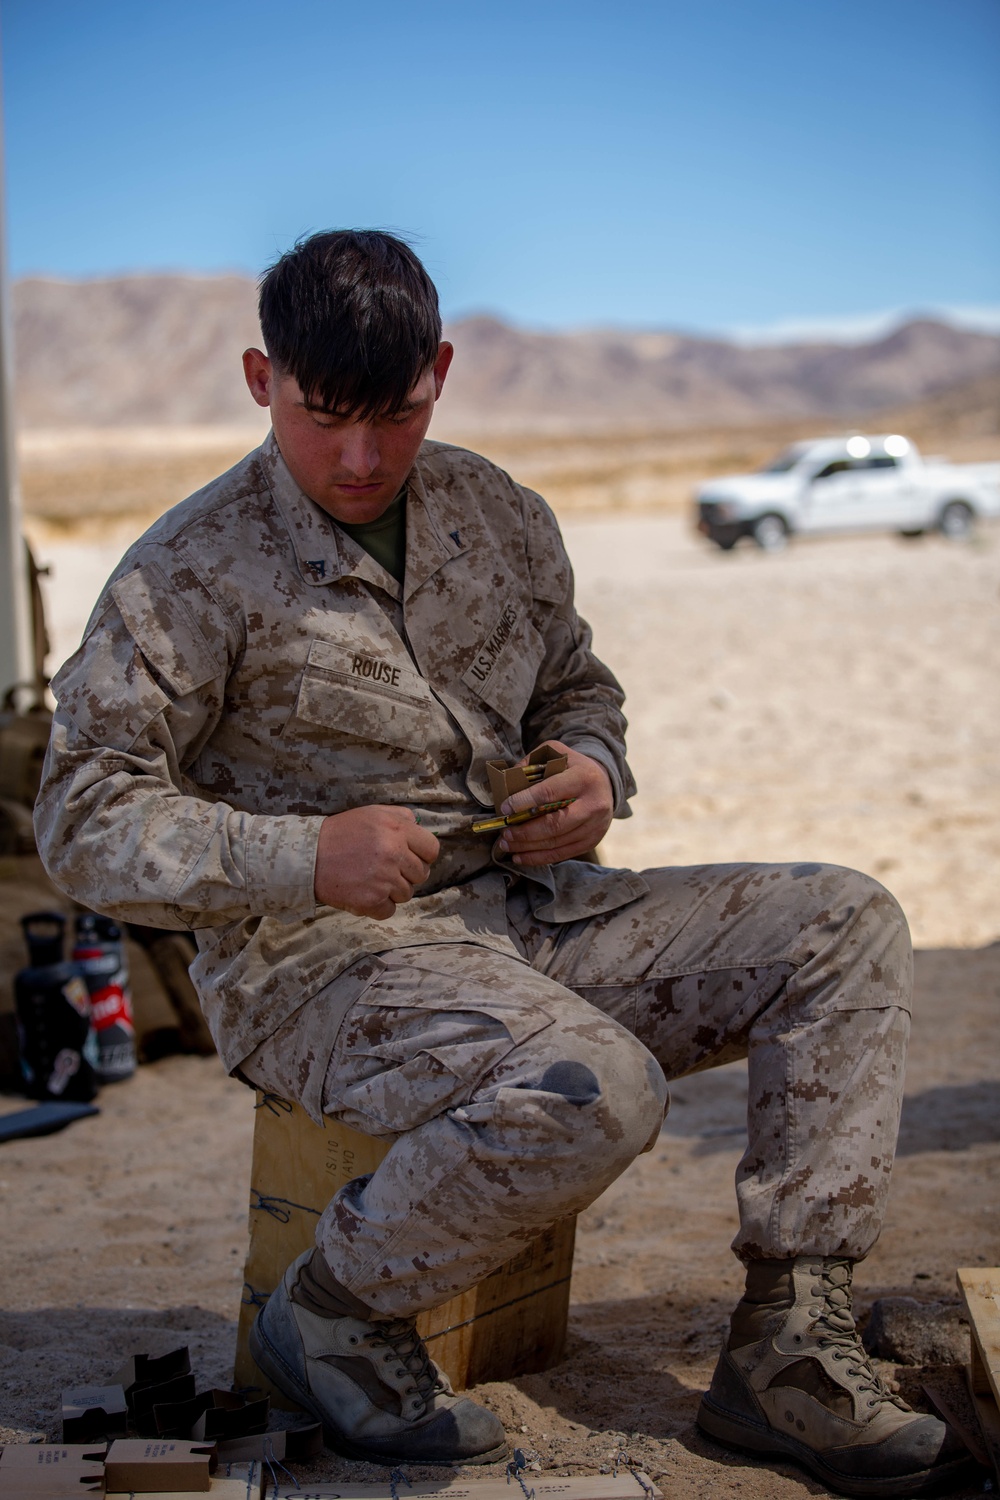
(165, 350)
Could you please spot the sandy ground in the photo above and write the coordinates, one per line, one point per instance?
(836, 702)
(79, 478)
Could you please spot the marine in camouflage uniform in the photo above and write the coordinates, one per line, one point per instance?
(249, 675)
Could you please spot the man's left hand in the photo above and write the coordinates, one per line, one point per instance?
(571, 831)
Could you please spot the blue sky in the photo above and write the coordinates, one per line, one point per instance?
(703, 164)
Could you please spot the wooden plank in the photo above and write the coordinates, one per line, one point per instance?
(980, 1288)
(512, 1323)
(961, 1418)
(979, 1376)
(989, 1425)
(289, 1149)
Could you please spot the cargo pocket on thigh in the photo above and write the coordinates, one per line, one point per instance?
(421, 1042)
(522, 1110)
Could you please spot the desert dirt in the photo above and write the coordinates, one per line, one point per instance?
(836, 702)
(78, 481)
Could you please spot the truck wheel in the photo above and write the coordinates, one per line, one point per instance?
(770, 533)
(910, 535)
(956, 521)
(727, 545)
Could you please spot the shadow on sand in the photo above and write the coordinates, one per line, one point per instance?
(950, 1118)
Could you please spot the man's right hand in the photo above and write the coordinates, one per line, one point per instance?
(370, 859)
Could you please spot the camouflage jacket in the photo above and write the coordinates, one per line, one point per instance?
(249, 670)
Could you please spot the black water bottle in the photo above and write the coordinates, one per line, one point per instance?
(57, 1041)
(99, 956)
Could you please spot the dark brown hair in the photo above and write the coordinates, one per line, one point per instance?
(353, 316)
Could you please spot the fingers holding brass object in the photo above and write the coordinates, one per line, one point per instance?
(493, 825)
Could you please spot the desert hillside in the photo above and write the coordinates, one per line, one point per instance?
(165, 350)
(611, 380)
(130, 396)
(134, 350)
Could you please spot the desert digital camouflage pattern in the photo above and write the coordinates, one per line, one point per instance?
(248, 671)
(517, 1096)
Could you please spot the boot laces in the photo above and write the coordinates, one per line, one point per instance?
(408, 1347)
(835, 1329)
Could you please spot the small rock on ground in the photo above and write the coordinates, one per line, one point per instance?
(909, 1332)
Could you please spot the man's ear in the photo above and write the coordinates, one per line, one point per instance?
(257, 372)
(441, 365)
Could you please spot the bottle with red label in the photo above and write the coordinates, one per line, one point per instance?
(57, 1042)
(99, 956)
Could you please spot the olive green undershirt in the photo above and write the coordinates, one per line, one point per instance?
(384, 539)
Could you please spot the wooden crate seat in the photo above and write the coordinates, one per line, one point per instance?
(512, 1323)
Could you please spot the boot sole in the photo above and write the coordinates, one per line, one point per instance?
(753, 1437)
(270, 1362)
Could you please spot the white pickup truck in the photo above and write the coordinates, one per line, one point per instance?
(848, 484)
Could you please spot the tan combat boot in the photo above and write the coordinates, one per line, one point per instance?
(370, 1381)
(794, 1380)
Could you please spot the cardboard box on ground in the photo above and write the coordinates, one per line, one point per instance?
(150, 1464)
(626, 1485)
(30, 1470)
(90, 1411)
(160, 1470)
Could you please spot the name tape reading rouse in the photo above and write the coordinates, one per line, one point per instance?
(378, 671)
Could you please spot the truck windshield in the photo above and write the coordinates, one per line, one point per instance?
(785, 460)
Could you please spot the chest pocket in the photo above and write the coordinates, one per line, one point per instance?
(505, 667)
(364, 697)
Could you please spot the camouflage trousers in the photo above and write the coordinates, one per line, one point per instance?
(515, 1092)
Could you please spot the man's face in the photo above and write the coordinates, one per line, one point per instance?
(352, 469)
